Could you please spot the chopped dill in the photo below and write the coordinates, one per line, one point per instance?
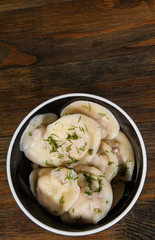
(100, 185)
(107, 151)
(72, 128)
(88, 193)
(86, 127)
(48, 164)
(110, 163)
(103, 115)
(112, 151)
(73, 160)
(61, 200)
(70, 176)
(81, 129)
(97, 210)
(123, 168)
(53, 143)
(90, 151)
(58, 169)
(74, 136)
(82, 149)
(30, 133)
(68, 148)
(61, 155)
(88, 107)
(89, 179)
(79, 119)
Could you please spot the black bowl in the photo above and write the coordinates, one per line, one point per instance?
(19, 168)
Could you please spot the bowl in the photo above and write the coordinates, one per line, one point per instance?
(19, 168)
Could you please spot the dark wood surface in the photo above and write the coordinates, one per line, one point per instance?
(104, 47)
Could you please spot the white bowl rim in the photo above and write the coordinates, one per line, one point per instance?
(117, 219)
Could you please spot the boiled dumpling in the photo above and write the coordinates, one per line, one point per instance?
(72, 140)
(94, 201)
(106, 120)
(123, 149)
(56, 189)
(106, 161)
(32, 142)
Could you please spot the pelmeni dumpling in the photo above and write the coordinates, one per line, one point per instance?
(106, 161)
(94, 201)
(32, 143)
(123, 149)
(72, 140)
(106, 120)
(56, 189)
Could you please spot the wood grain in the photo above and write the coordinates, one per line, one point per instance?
(104, 47)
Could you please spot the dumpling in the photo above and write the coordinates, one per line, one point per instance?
(72, 140)
(124, 151)
(106, 120)
(94, 201)
(32, 143)
(56, 189)
(106, 161)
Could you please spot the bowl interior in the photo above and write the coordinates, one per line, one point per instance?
(20, 168)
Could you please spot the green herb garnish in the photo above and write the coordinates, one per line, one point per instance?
(58, 168)
(100, 185)
(81, 148)
(90, 151)
(61, 200)
(68, 148)
(107, 151)
(61, 155)
(30, 133)
(88, 193)
(110, 163)
(53, 143)
(72, 128)
(90, 179)
(48, 164)
(88, 107)
(86, 127)
(97, 210)
(79, 119)
(73, 160)
(123, 168)
(70, 176)
(81, 129)
(74, 136)
(103, 115)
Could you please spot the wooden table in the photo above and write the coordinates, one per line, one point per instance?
(52, 47)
